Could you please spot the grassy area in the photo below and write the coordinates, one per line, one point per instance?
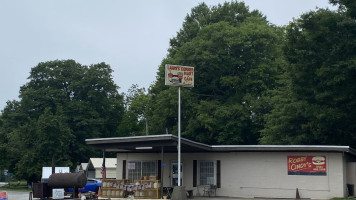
(16, 186)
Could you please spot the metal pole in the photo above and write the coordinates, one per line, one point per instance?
(53, 165)
(146, 126)
(179, 174)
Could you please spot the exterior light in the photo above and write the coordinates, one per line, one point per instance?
(143, 148)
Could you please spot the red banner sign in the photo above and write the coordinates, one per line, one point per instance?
(307, 165)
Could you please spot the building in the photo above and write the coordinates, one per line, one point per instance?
(248, 171)
(95, 164)
(82, 168)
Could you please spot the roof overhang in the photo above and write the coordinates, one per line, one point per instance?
(147, 144)
(169, 143)
(283, 148)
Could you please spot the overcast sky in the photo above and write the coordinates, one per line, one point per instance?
(131, 36)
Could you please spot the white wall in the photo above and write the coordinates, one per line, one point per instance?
(351, 174)
(91, 174)
(110, 173)
(257, 174)
(266, 175)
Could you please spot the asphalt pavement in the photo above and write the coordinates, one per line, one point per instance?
(15, 195)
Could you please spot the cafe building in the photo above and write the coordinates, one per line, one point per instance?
(147, 165)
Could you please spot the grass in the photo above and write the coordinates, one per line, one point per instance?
(16, 186)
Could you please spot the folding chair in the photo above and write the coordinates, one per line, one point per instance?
(209, 190)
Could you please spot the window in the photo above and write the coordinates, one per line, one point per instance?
(206, 172)
(138, 169)
(149, 168)
(134, 170)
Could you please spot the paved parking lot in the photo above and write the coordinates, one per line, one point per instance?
(14, 195)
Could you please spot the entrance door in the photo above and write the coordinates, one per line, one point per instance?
(174, 173)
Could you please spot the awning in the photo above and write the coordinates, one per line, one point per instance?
(147, 144)
(154, 144)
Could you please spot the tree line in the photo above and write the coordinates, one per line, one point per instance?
(255, 83)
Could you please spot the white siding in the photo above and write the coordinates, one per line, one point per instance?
(351, 174)
(266, 175)
(256, 174)
(110, 173)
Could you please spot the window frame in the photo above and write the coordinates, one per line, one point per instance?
(212, 163)
(141, 171)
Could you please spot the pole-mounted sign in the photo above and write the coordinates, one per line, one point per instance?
(181, 76)
(177, 75)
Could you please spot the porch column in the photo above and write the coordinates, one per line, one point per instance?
(162, 169)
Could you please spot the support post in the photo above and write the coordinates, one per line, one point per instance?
(179, 192)
(162, 168)
(53, 165)
(179, 144)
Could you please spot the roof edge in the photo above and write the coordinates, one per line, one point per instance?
(130, 137)
(226, 148)
(332, 148)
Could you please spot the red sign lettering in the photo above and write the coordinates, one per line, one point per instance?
(306, 165)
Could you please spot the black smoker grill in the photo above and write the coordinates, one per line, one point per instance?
(60, 180)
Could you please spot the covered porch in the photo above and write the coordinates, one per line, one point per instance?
(150, 162)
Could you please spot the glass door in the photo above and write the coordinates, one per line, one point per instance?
(174, 173)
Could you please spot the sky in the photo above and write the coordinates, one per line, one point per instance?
(131, 36)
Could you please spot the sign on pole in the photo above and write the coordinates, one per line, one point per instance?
(177, 75)
(181, 76)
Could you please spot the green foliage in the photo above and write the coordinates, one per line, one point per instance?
(348, 5)
(316, 104)
(134, 119)
(236, 55)
(233, 13)
(62, 104)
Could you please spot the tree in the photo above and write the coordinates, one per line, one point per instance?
(3, 141)
(316, 103)
(135, 118)
(236, 54)
(233, 13)
(11, 118)
(37, 142)
(348, 5)
(62, 104)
